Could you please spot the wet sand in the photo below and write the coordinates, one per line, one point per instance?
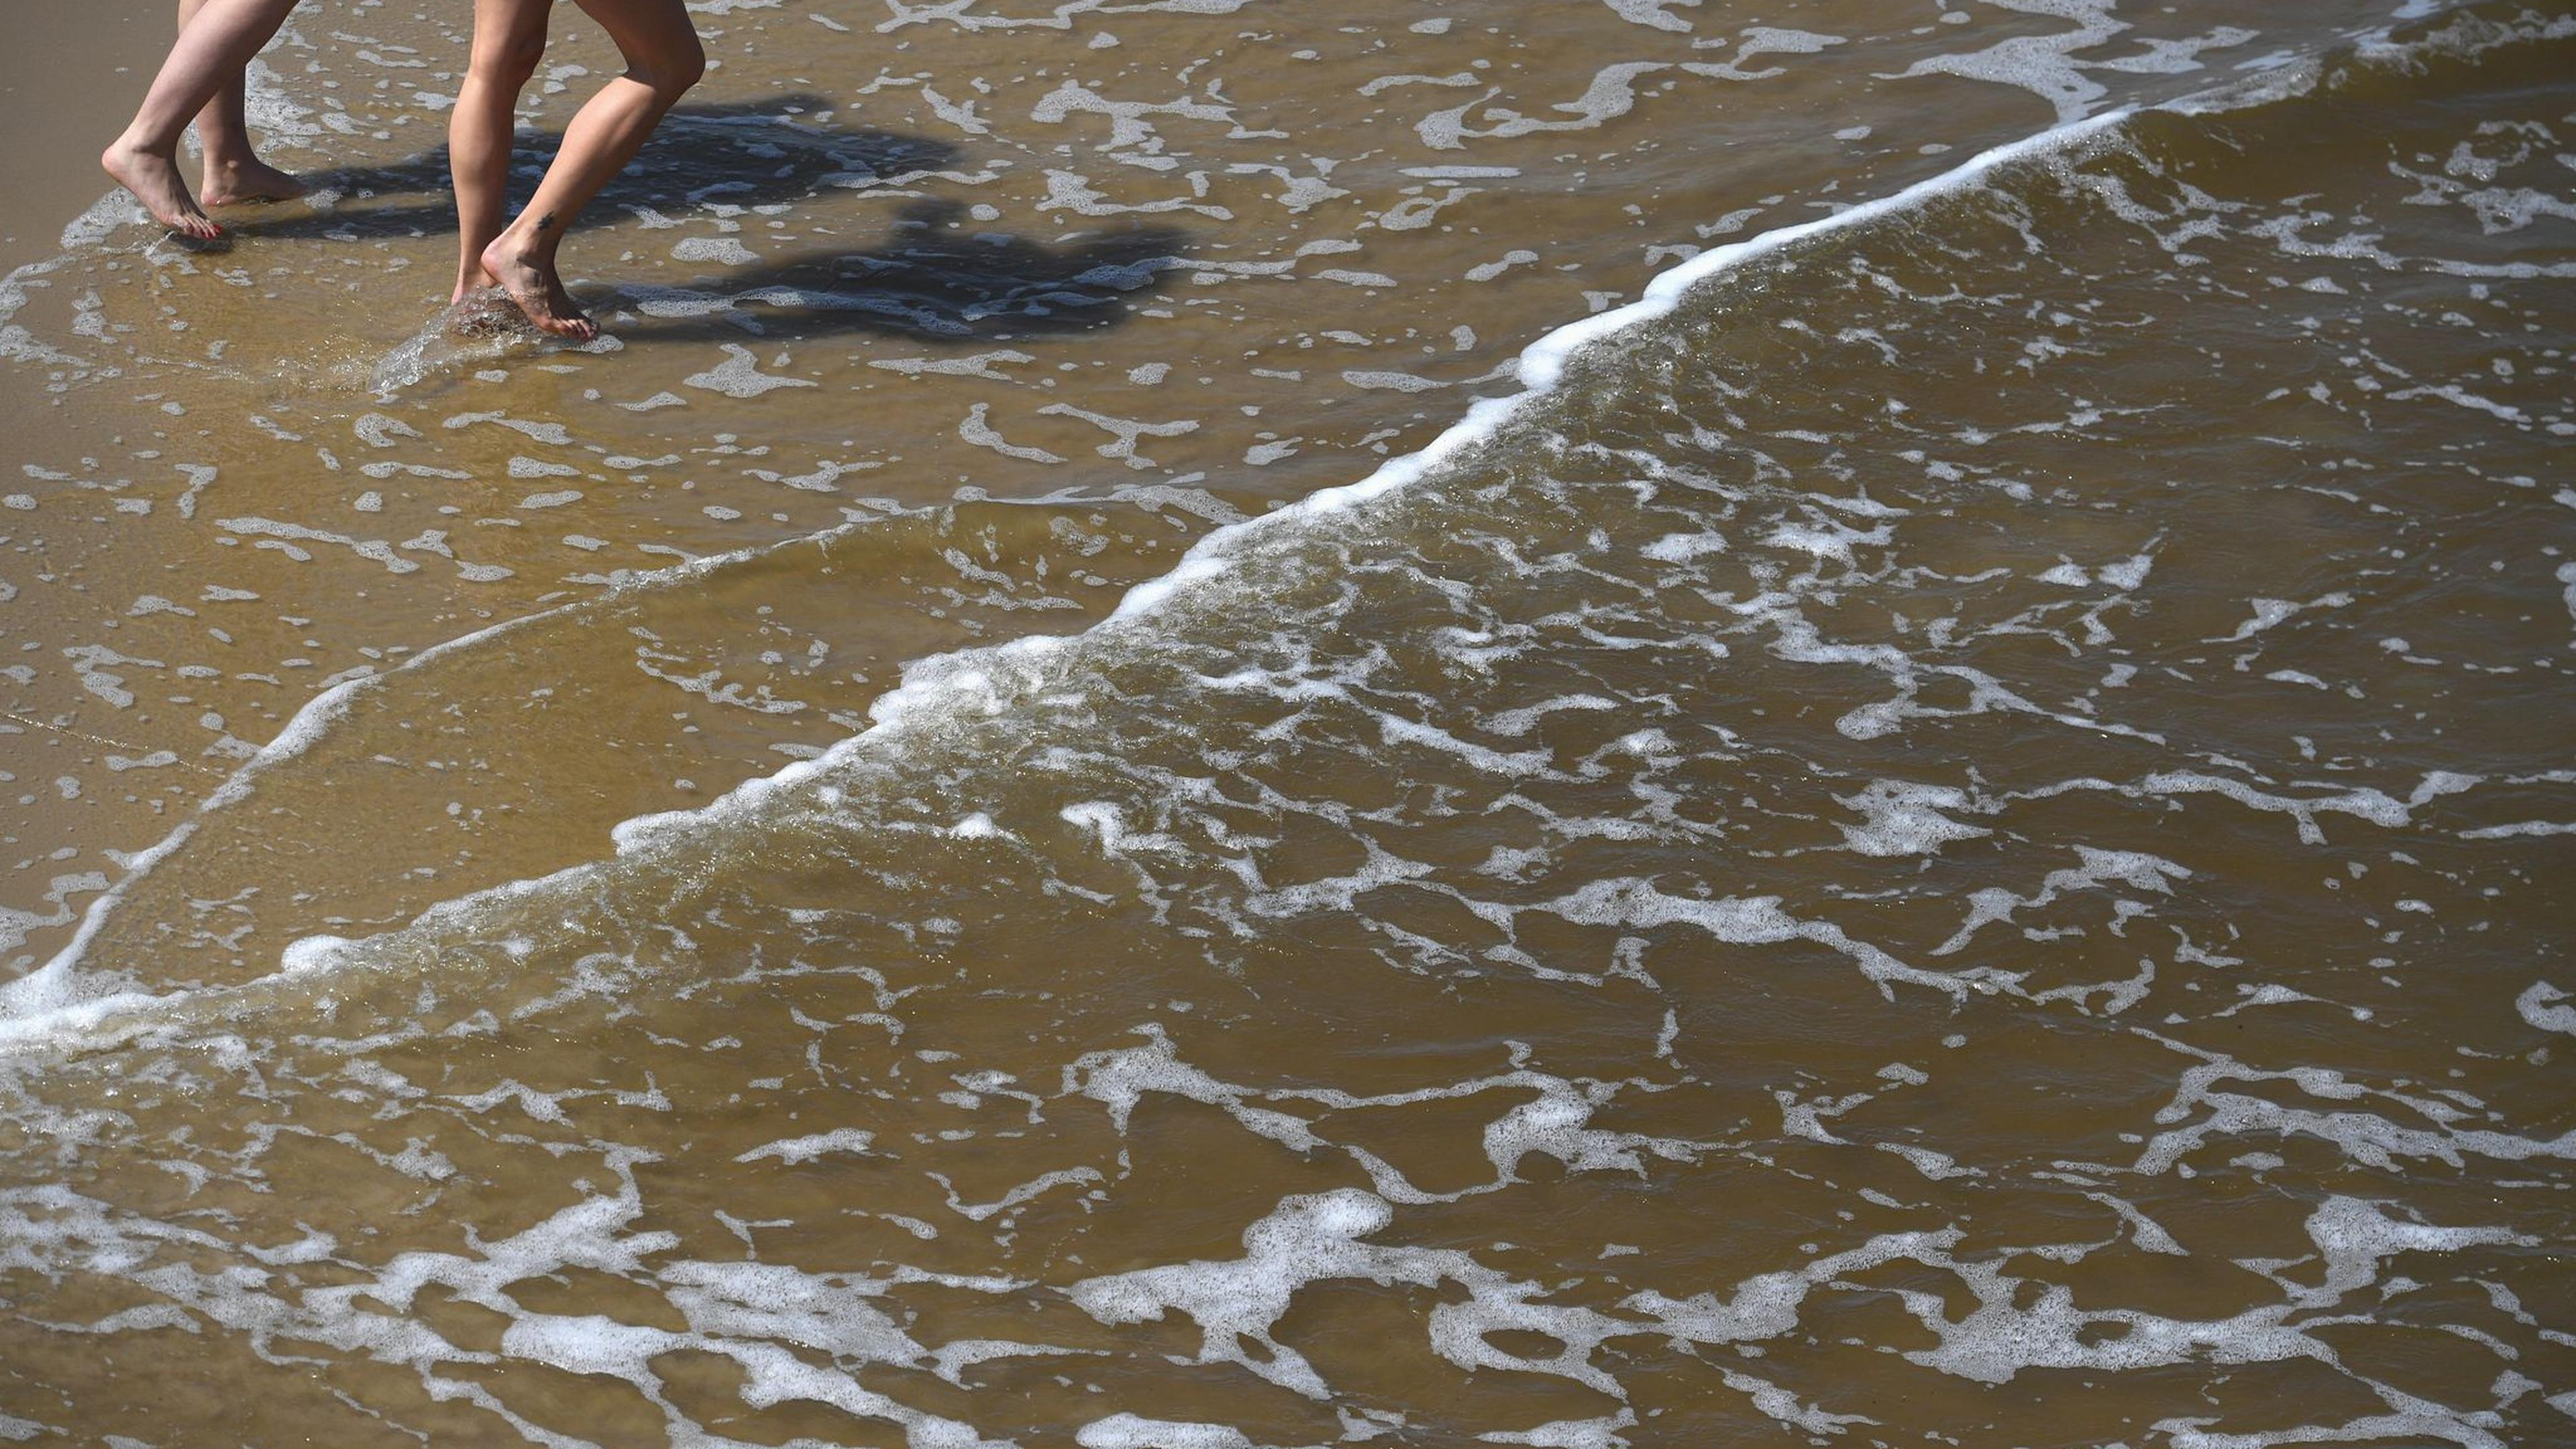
(80, 69)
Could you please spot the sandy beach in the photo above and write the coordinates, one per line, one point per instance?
(82, 69)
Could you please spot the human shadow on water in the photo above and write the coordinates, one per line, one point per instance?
(935, 279)
(941, 275)
(731, 153)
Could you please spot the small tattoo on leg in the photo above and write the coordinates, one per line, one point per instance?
(546, 221)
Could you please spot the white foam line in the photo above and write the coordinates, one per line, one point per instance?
(50, 989)
(941, 686)
(954, 680)
(951, 678)
(1543, 363)
(47, 1002)
(43, 1005)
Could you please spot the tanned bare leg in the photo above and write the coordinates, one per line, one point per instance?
(210, 53)
(663, 60)
(509, 40)
(233, 173)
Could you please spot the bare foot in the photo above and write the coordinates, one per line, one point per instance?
(234, 183)
(485, 311)
(155, 182)
(532, 283)
(468, 284)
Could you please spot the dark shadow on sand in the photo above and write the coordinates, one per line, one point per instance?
(737, 154)
(940, 278)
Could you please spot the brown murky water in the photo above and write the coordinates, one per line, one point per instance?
(1087, 788)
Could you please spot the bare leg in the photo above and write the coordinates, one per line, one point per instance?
(509, 40)
(234, 173)
(663, 60)
(220, 40)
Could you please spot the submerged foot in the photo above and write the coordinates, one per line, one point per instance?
(234, 183)
(484, 311)
(539, 292)
(155, 182)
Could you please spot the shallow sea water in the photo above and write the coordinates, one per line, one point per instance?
(1234, 724)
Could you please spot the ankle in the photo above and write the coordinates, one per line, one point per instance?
(515, 247)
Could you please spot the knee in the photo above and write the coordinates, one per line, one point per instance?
(508, 61)
(671, 75)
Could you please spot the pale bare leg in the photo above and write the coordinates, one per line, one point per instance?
(509, 40)
(234, 173)
(220, 39)
(663, 60)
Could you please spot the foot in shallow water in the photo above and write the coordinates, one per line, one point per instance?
(532, 282)
(484, 311)
(234, 183)
(155, 182)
